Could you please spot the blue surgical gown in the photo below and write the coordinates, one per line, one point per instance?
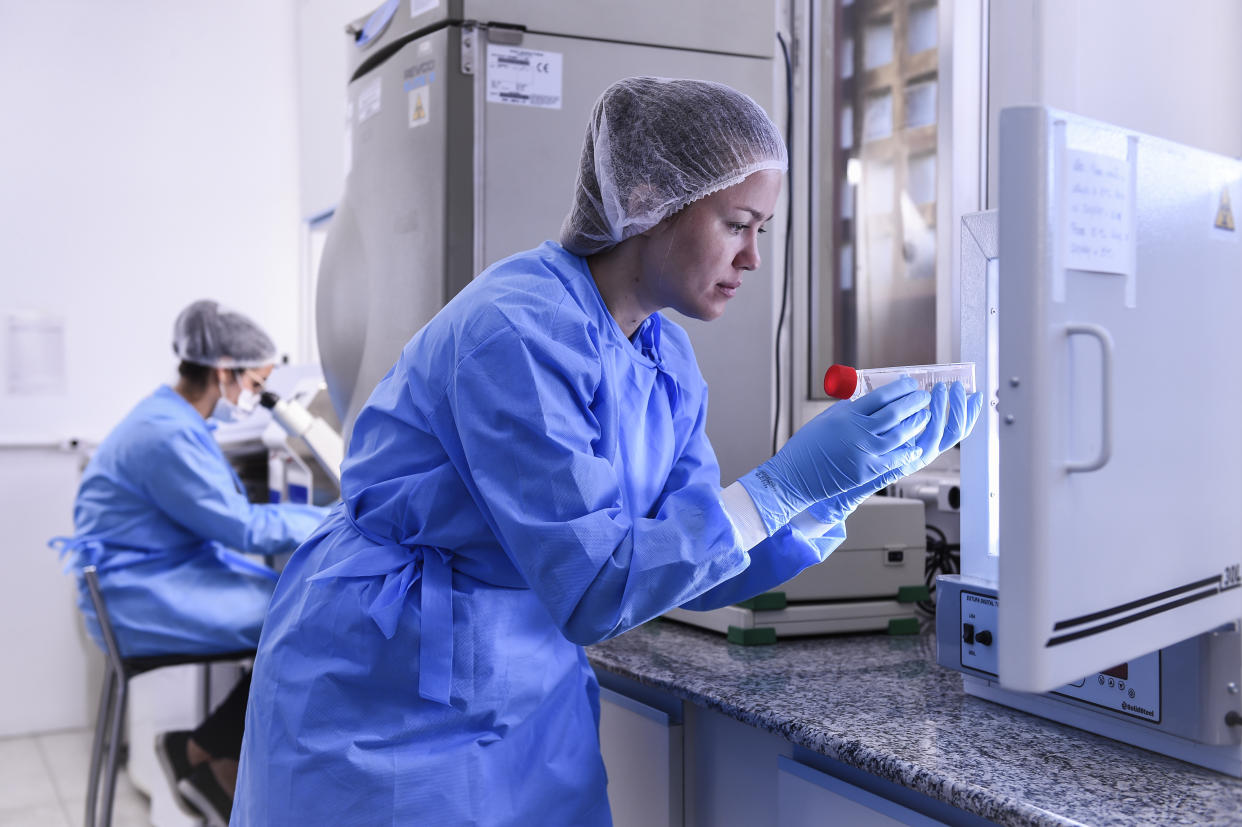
(161, 514)
(524, 481)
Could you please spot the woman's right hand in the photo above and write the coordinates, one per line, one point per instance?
(847, 446)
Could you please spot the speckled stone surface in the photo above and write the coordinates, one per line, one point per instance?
(883, 705)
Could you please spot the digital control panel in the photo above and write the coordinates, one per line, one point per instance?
(1131, 689)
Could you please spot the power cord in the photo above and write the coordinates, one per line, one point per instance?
(943, 557)
(788, 277)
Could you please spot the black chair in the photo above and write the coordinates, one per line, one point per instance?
(113, 695)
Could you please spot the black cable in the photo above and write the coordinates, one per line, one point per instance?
(780, 322)
(943, 557)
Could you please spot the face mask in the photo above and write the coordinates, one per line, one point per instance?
(225, 411)
(247, 401)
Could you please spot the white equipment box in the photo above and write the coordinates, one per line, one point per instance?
(871, 582)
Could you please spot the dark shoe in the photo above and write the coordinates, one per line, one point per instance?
(205, 793)
(170, 749)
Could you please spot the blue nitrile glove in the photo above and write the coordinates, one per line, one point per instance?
(839, 506)
(847, 446)
(953, 415)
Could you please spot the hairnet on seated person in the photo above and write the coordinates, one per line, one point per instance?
(655, 145)
(207, 334)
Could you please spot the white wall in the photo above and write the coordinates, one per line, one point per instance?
(1173, 70)
(149, 158)
(323, 58)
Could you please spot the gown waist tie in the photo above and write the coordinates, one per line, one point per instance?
(401, 567)
(92, 551)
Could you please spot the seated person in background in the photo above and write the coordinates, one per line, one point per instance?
(162, 515)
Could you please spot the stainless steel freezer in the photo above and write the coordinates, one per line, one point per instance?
(466, 121)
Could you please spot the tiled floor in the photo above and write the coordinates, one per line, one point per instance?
(43, 783)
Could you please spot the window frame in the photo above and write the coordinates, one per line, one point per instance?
(961, 182)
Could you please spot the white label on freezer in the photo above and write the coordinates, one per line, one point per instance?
(523, 77)
(1097, 213)
(417, 7)
(369, 100)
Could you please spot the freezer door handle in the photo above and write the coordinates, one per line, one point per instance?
(1106, 397)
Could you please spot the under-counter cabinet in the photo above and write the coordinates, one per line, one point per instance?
(641, 739)
(675, 763)
(806, 797)
(875, 712)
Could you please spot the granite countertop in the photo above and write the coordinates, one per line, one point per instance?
(882, 704)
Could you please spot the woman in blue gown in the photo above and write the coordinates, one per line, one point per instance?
(162, 516)
(532, 476)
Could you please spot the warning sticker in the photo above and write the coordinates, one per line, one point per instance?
(523, 77)
(1219, 209)
(420, 100)
(417, 85)
(1224, 212)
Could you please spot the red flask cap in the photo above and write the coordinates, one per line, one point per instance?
(840, 381)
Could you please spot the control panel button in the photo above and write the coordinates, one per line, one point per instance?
(984, 637)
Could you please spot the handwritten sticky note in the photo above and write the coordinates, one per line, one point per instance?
(1097, 213)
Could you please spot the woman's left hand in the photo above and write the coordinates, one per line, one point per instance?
(953, 415)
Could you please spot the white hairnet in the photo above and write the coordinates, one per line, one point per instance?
(207, 334)
(654, 145)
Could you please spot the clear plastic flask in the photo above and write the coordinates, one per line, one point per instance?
(845, 382)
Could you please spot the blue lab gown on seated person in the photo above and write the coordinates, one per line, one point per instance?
(524, 481)
(161, 514)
